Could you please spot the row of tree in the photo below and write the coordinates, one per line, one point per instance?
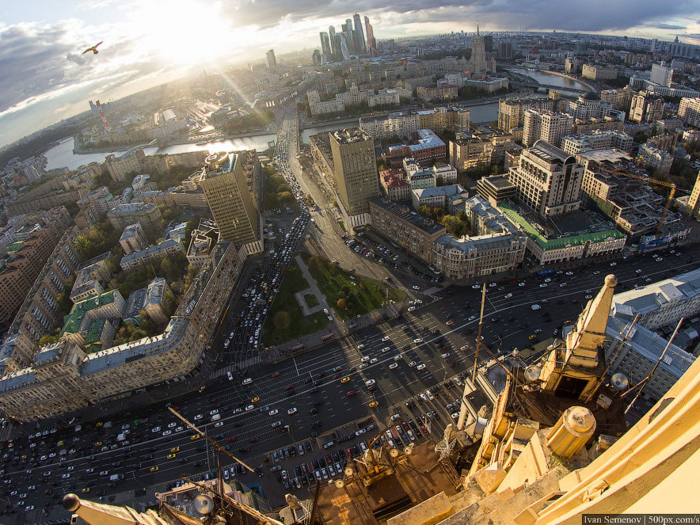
(457, 225)
(277, 192)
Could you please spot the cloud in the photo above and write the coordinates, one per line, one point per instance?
(666, 26)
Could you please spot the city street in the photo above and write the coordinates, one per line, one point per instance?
(73, 460)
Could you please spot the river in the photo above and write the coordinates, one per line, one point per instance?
(544, 77)
(62, 156)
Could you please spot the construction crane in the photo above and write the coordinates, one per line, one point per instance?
(649, 180)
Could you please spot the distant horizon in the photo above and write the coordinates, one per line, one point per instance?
(46, 78)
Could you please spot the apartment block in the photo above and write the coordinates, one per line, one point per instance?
(581, 142)
(232, 204)
(446, 92)
(646, 108)
(689, 111)
(63, 377)
(168, 247)
(426, 148)
(354, 172)
(547, 126)
(436, 197)
(480, 149)
(147, 215)
(588, 106)
(133, 239)
(547, 180)
(125, 166)
(511, 111)
(597, 73)
(408, 229)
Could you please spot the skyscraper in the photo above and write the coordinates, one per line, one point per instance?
(325, 46)
(231, 203)
(271, 60)
(371, 42)
(359, 34)
(355, 172)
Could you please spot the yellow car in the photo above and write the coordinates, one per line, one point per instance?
(255, 399)
(175, 449)
(98, 444)
(374, 404)
(450, 322)
(24, 456)
(532, 337)
(345, 379)
(86, 489)
(154, 469)
(172, 456)
(195, 437)
(99, 424)
(202, 389)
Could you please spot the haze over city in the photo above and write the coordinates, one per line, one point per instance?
(44, 78)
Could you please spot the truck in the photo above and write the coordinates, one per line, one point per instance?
(116, 477)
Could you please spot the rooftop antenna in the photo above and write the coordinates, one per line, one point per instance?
(478, 336)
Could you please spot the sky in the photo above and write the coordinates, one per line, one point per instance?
(44, 77)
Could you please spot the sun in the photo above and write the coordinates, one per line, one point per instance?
(183, 32)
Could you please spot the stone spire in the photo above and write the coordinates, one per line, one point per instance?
(589, 332)
(477, 28)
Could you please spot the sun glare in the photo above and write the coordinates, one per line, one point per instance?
(185, 32)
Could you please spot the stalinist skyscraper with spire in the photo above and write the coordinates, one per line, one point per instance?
(479, 65)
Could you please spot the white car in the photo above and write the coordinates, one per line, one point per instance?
(249, 408)
(167, 432)
(219, 424)
(411, 308)
(393, 366)
(155, 429)
(521, 284)
(445, 355)
(365, 359)
(247, 381)
(373, 360)
(385, 349)
(543, 285)
(370, 382)
(475, 286)
(172, 425)
(291, 411)
(415, 287)
(535, 307)
(198, 417)
(421, 366)
(412, 364)
(418, 340)
(215, 411)
(398, 357)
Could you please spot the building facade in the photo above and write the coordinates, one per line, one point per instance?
(147, 215)
(547, 126)
(64, 378)
(646, 108)
(547, 180)
(133, 239)
(355, 172)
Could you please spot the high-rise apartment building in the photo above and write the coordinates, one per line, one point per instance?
(689, 111)
(547, 126)
(355, 172)
(646, 108)
(661, 74)
(232, 205)
(271, 60)
(511, 111)
(547, 180)
(588, 106)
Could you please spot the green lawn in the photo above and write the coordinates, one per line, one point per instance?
(361, 295)
(342, 226)
(311, 300)
(285, 320)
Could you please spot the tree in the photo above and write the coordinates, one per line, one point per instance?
(439, 180)
(341, 303)
(47, 340)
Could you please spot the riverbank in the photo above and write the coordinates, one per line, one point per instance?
(176, 142)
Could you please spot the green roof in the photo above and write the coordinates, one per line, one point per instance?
(15, 246)
(95, 331)
(561, 242)
(72, 321)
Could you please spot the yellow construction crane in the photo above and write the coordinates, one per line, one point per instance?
(649, 180)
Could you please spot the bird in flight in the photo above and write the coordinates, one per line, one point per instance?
(93, 48)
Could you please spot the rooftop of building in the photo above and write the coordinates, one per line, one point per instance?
(132, 207)
(130, 231)
(72, 321)
(350, 135)
(500, 182)
(94, 335)
(565, 232)
(404, 212)
(547, 152)
(134, 303)
(482, 243)
(656, 295)
(156, 290)
(163, 245)
(439, 191)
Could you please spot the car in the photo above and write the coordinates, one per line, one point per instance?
(373, 360)
(543, 285)
(195, 437)
(249, 408)
(172, 456)
(345, 379)
(247, 381)
(167, 432)
(613, 264)
(273, 412)
(522, 284)
(421, 366)
(418, 340)
(198, 417)
(531, 337)
(276, 424)
(450, 322)
(374, 404)
(276, 374)
(386, 349)
(351, 393)
(411, 308)
(155, 468)
(415, 287)
(412, 364)
(289, 387)
(445, 355)
(291, 411)
(536, 307)
(393, 366)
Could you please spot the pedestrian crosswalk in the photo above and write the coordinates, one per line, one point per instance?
(432, 291)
